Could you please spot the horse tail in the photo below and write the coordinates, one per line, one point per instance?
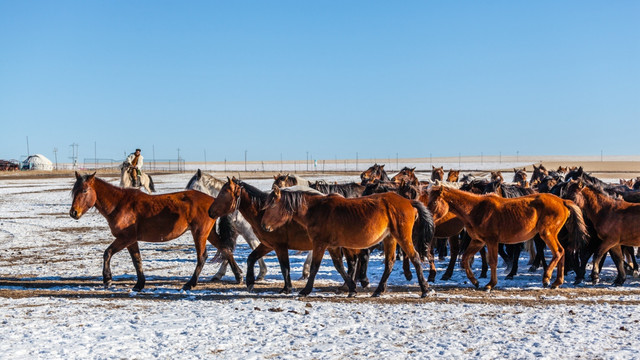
(579, 235)
(151, 186)
(227, 235)
(423, 230)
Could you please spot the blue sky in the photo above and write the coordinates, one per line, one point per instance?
(329, 77)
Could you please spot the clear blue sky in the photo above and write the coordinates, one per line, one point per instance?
(329, 77)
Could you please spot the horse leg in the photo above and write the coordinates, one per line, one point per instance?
(307, 266)
(406, 266)
(503, 254)
(617, 256)
(515, 256)
(318, 253)
(363, 264)
(256, 254)
(454, 245)
(597, 257)
(221, 271)
(201, 253)
(389, 260)
(492, 252)
(557, 259)
(471, 250)
(442, 248)
(134, 251)
(283, 258)
(237, 272)
(336, 257)
(539, 258)
(531, 249)
(485, 265)
(417, 264)
(117, 245)
(253, 244)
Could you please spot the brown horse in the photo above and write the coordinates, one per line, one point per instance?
(135, 216)
(250, 202)
(616, 222)
(374, 173)
(357, 223)
(453, 175)
(497, 176)
(437, 173)
(447, 226)
(287, 180)
(490, 220)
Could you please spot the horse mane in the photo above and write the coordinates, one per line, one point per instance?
(78, 185)
(257, 196)
(513, 191)
(348, 190)
(291, 200)
(379, 187)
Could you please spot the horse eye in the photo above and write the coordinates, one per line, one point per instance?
(84, 191)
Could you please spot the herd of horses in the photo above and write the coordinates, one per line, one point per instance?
(569, 212)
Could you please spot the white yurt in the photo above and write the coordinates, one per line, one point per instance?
(37, 162)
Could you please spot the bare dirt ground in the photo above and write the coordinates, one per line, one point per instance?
(323, 293)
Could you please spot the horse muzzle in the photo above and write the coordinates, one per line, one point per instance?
(267, 228)
(74, 214)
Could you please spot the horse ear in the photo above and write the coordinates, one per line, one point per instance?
(382, 166)
(433, 167)
(198, 174)
(277, 192)
(91, 177)
(78, 176)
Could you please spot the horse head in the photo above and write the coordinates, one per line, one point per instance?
(84, 195)
(228, 199)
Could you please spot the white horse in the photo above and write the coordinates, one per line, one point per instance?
(126, 182)
(210, 185)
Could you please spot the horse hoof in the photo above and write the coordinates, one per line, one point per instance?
(138, 288)
(509, 277)
(487, 288)
(216, 279)
(352, 294)
(250, 287)
(238, 281)
(545, 284)
(476, 284)
(375, 295)
(364, 284)
(186, 287)
(107, 284)
(431, 279)
(260, 278)
(445, 277)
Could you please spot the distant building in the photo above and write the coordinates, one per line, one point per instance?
(37, 162)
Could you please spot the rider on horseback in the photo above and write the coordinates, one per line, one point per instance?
(134, 160)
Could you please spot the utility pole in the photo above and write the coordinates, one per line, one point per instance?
(517, 155)
(178, 159)
(28, 152)
(55, 153)
(74, 155)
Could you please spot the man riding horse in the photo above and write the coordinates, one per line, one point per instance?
(134, 160)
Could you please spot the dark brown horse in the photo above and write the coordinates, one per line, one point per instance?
(520, 177)
(539, 173)
(437, 173)
(374, 173)
(357, 223)
(490, 220)
(135, 216)
(616, 222)
(250, 202)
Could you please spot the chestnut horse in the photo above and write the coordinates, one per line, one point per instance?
(135, 216)
(453, 175)
(616, 222)
(250, 201)
(490, 220)
(357, 223)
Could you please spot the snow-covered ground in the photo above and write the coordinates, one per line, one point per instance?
(52, 304)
